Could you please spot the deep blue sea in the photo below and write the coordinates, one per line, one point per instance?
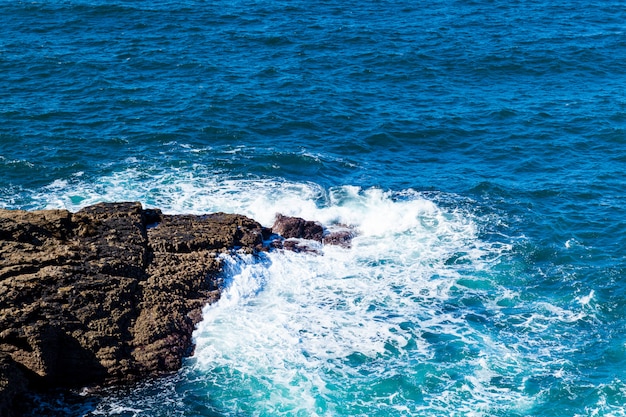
(478, 148)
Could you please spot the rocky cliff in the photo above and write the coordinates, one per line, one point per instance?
(109, 294)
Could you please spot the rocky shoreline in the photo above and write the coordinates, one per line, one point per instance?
(111, 294)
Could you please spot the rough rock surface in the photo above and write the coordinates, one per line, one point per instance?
(296, 227)
(109, 294)
(293, 230)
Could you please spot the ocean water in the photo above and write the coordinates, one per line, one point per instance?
(477, 147)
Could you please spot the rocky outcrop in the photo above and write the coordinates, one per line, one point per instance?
(296, 227)
(109, 294)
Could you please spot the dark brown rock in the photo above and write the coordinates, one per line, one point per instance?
(296, 227)
(109, 294)
(290, 229)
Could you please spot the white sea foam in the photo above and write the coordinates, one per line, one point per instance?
(381, 328)
(310, 331)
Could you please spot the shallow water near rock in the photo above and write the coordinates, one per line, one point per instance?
(476, 149)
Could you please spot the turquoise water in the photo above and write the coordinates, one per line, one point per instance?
(477, 147)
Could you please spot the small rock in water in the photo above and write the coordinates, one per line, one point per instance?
(295, 229)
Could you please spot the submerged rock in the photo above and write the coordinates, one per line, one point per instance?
(109, 294)
(341, 236)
